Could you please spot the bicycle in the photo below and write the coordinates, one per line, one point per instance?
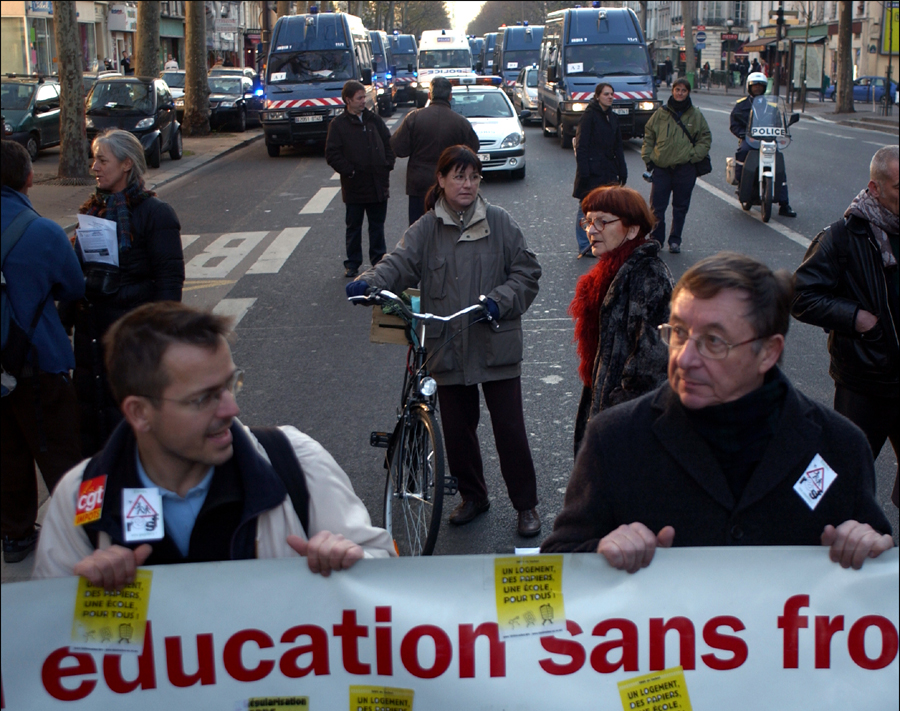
(415, 484)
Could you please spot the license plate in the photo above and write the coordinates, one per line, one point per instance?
(621, 112)
(307, 119)
(483, 157)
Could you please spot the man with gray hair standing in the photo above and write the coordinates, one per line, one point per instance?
(848, 284)
(423, 136)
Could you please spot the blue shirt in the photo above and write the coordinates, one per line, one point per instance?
(179, 514)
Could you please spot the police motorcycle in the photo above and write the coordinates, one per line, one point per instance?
(763, 170)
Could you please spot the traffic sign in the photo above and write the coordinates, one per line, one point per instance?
(729, 36)
(700, 45)
(700, 36)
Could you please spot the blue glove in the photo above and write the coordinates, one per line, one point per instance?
(357, 288)
(492, 308)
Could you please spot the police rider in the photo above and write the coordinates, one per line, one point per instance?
(740, 117)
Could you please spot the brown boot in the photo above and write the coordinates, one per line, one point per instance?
(529, 523)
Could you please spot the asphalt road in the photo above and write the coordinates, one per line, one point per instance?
(264, 240)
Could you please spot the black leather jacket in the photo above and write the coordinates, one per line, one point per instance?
(838, 277)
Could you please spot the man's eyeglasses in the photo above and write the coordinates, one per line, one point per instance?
(211, 398)
(462, 179)
(708, 345)
(598, 223)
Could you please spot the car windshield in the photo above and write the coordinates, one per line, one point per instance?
(606, 59)
(120, 96)
(225, 85)
(174, 80)
(531, 77)
(481, 104)
(310, 66)
(444, 58)
(17, 97)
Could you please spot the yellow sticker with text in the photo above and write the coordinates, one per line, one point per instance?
(380, 698)
(112, 621)
(529, 595)
(278, 703)
(660, 691)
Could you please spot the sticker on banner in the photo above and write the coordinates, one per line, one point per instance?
(529, 595)
(377, 698)
(89, 505)
(575, 67)
(276, 703)
(660, 691)
(142, 517)
(111, 621)
(815, 481)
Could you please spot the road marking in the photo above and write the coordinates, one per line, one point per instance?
(319, 201)
(876, 143)
(194, 285)
(336, 176)
(733, 201)
(836, 135)
(234, 307)
(223, 255)
(187, 241)
(278, 252)
(717, 111)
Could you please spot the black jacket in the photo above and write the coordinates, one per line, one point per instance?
(644, 461)
(152, 270)
(599, 154)
(842, 273)
(359, 148)
(740, 116)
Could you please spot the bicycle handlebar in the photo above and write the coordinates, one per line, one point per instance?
(375, 296)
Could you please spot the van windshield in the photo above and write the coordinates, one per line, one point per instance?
(310, 66)
(606, 59)
(519, 58)
(444, 58)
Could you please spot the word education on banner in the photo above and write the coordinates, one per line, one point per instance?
(705, 628)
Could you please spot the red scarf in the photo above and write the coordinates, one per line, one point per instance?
(590, 291)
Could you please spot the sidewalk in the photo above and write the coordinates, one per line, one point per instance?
(61, 202)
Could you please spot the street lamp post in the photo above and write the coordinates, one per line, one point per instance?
(729, 24)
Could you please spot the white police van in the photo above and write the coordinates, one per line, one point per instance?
(442, 53)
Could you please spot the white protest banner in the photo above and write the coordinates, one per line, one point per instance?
(751, 628)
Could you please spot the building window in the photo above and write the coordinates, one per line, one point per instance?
(740, 13)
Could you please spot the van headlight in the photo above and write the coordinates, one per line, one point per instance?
(276, 115)
(577, 106)
(226, 105)
(336, 111)
(647, 105)
(414, 84)
(512, 140)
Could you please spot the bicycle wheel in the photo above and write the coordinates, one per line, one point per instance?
(414, 491)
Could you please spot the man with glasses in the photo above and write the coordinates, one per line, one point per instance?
(206, 488)
(727, 453)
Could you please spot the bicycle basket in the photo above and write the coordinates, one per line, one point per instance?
(388, 328)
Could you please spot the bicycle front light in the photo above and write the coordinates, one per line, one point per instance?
(427, 386)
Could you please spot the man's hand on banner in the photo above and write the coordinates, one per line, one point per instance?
(113, 567)
(326, 551)
(632, 547)
(852, 542)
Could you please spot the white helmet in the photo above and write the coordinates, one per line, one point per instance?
(756, 78)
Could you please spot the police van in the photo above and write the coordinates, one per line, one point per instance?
(475, 46)
(583, 47)
(383, 72)
(442, 53)
(485, 63)
(406, 76)
(311, 58)
(517, 47)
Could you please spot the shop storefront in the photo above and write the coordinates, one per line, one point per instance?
(171, 40)
(122, 22)
(87, 34)
(40, 37)
(13, 46)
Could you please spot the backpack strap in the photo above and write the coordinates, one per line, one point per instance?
(284, 462)
(678, 121)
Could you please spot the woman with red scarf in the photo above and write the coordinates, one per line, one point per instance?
(619, 304)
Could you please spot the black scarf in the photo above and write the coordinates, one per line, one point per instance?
(679, 107)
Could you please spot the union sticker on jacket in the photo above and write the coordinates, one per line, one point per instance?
(815, 481)
(142, 515)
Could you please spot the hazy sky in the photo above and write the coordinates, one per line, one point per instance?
(462, 13)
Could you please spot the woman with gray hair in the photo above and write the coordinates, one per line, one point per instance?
(151, 268)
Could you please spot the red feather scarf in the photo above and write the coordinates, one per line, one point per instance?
(590, 291)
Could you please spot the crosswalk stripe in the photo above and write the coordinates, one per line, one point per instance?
(188, 240)
(278, 252)
(319, 201)
(223, 255)
(336, 176)
(234, 307)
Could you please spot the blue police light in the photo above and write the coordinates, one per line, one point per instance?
(259, 92)
(313, 9)
(596, 3)
(525, 23)
(396, 32)
(388, 75)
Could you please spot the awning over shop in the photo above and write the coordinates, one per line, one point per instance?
(758, 45)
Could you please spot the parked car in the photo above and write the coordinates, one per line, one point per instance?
(231, 101)
(248, 72)
(524, 96)
(90, 78)
(174, 79)
(500, 135)
(30, 105)
(863, 89)
(140, 105)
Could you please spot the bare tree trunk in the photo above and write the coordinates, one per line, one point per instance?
(146, 53)
(844, 92)
(690, 66)
(390, 18)
(643, 18)
(196, 86)
(404, 15)
(73, 149)
(283, 8)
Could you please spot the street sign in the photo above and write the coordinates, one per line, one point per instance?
(729, 36)
(700, 36)
(700, 45)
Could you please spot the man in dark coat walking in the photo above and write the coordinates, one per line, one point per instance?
(358, 147)
(423, 136)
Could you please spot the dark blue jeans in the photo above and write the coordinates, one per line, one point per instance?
(376, 211)
(677, 182)
(416, 208)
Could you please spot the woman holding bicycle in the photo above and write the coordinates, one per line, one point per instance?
(619, 304)
(464, 248)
